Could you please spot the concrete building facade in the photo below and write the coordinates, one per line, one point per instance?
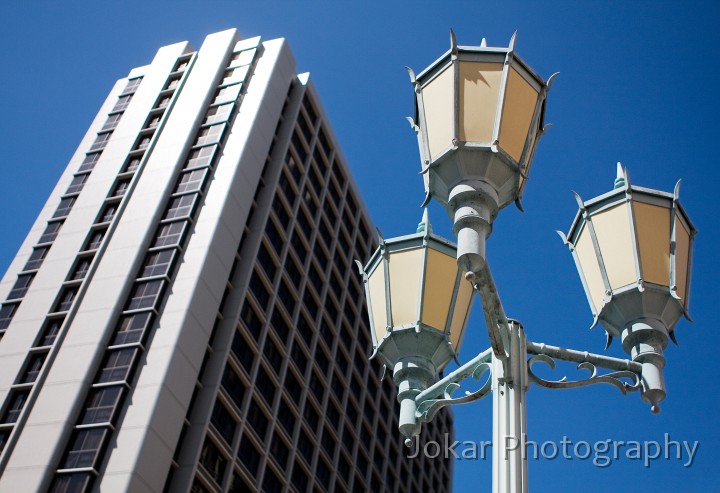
(184, 315)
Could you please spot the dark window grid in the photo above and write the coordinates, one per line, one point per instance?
(33, 367)
(132, 163)
(239, 377)
(101, 141)
(36, 258)
(65, 299)
(77, 184)
(274, 354)
(14, 405)
(132, 86)
(94, 239)
(118, 365)
(85, 448)
(120, 188)
(143, 141)
(146, 295)
(101, 405)
(201, 157)
(159, 263)
(112, 122)
(132, 328)
(21, 286)
(191, 181)
(109, 211)
(170, 234)
(181, 207)
(64, 207)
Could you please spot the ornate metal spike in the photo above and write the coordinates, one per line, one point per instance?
(608, 340)
(453, 43)
(428, 196)
(676, 192)
(359, 265)
(546, 128)
(412, 124)
(483, 43)
(672, 338)
(579, 200)
(511, 46)
(426, 410)
(411, 73)
(614, 378)
(518, 204)
(551, 79)
(562, 237)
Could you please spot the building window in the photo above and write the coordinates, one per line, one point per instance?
(169, 234)
(101, 404)
(116, 365)
(217, 114)
(191, 181)
(163, 102)
(101, 141)
(131, 328)
(7, 311)
(81, 268)
(180, 206)
(143, 142)
(249, 455)
(132, 164)
(50, 232)
(120, 188)
(84, 448)
(227, 94)
(77, 183)
(89, 162)
(210, 135)
(111, 122)
(96, 238)
(234, 75)
(158, 263)
(144, 295)
(200, 157)
(172, 83)
(257, 419)
(132, 85)
(21, 286)
(271, 483)
(66, 299)
(64, 207)
(50, 332)
(107, 214)
(299, 478)
(242, 58)
(213, 461)
(153, 121)
(223, 422)
(233, 385)
(122, 103)
(16, 402)
(32, 370)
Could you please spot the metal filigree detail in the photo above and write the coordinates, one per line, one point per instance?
(426, 410)
(615, 378)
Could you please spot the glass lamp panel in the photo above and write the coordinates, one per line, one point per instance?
(518, 110)
(440, 277)
(376, 287)
(460, 313)
(439, 104)
(682, 258)
(612, 227)
(479, 93)
(652, 224)
(588, 261)
(405, 270)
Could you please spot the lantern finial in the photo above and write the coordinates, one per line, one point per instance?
(620, 177)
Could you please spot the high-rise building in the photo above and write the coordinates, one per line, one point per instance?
(184, 314)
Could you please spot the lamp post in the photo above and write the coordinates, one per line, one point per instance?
(479, 115)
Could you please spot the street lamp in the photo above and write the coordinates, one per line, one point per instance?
(479, 114)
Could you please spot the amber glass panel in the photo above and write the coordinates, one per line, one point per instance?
(479, 94)
(460, 313)
(405, 268)
(440, 274)
(652, 224)
(682, 257)
(585, 252)
(439, 106)
(612, 227)
(518, 110)
(376, 286)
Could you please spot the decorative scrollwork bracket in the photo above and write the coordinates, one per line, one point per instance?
(616, 378)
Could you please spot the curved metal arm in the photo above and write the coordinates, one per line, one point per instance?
(613, 378)
(437, 396)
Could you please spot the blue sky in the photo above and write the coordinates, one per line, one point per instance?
(637, 85)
